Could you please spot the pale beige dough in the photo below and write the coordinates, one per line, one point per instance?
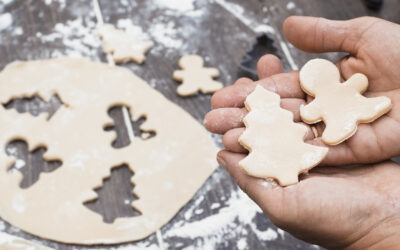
(195, 77)
(168, 168)
(276, 143)
(10, 242)
(340, 105)
(122, 45)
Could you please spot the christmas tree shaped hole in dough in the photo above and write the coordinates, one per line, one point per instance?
(195, 77)
(340, 105)
(276, 143)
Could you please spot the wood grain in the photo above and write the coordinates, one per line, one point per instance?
(222, 36)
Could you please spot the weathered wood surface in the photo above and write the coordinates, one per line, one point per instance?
(221, 31)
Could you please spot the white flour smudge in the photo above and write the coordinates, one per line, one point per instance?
(164, 34)
(226, 224)
(129, 27)
(77, 36)
(290, 5)
(258, 26)
(18, 31)
(61, 3)
(5, 21)
(178, 5)
(242, 244)
(19, 164)
(6, 2)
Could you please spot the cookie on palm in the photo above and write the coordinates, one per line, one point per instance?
(340, 105)
(195, 77)
(276, 143)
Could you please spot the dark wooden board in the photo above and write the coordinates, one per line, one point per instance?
(222, 33)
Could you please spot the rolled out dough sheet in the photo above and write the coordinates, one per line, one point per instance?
(168, 168)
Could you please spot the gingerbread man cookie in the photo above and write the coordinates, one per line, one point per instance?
(276, 143)
(195, 77)
(340, 105)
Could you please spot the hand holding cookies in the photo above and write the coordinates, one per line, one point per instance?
(355, 106)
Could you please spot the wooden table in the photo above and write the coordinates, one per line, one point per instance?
(221, 31)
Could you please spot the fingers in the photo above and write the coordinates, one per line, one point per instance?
(315, 34)
(265, 193)
(231, 141)
(221, 120)
(286, 85)
(269, 65)
(349, 66)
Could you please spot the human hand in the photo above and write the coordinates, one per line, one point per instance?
(354, 207)
(374, 47)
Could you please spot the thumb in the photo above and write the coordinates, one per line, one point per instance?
(314, 34)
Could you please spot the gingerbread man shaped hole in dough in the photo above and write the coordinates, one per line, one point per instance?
(195, 77)
(340, 105)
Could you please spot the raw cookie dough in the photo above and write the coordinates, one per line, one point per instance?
(276, 143)
(167, 171)
(123, 46)
(340, 105)
(10, 242)
(195, 77)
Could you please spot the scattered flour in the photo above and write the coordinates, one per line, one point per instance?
(164, 34)
(5, 2)
(242, 244)
(268, 235)
(18, 31)
(61, 3)
(19, 164)
(129, 27)
(215, 206)
(77, 36)
(178, 5)
(5, 21)
(258, 26)
(290, 5)
(281, 233)
(226, 224)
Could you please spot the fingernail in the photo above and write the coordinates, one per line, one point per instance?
(221, 161)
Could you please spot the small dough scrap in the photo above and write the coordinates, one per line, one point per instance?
(340, 105)
(195, 77)
(276, 143)
(123, 46)
(10, 242)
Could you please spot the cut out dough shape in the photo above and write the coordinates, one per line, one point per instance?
(10, 242)
(276, 143)
(167, 171)
(123, 46)
(340, 105)
(195, 77)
